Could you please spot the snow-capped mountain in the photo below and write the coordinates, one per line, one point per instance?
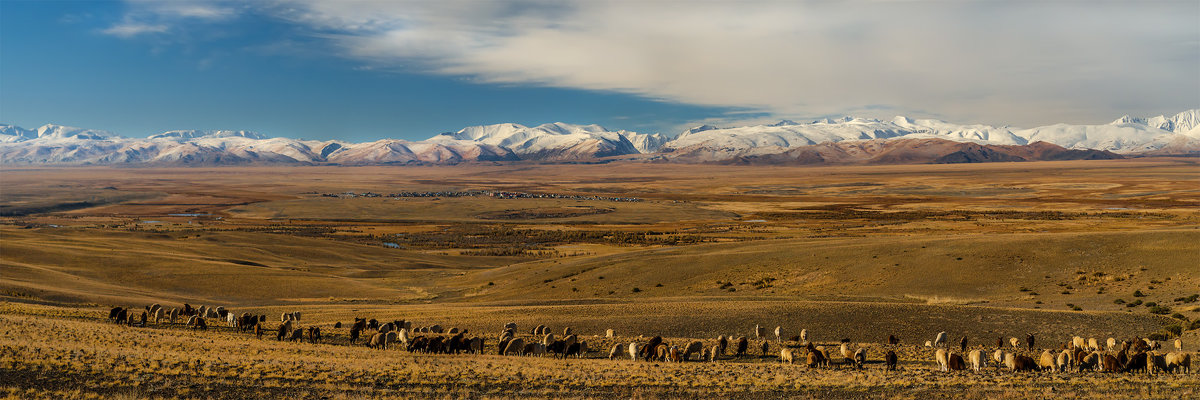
(556, 141)
(830, 140)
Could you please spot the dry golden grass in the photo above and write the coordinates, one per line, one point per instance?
(857, 252)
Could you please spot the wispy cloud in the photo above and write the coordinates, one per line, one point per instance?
(1024, 62)
(130, 29)
(149, 16)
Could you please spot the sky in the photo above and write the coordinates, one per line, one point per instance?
(366, 70)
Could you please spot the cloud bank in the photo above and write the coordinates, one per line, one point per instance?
(992, 62)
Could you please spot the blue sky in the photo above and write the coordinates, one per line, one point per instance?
(364, 70)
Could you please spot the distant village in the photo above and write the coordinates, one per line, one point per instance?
(485, 193)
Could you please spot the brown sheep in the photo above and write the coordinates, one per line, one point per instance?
(743, 344)
(890, 360)
(893, 340)
(661, 352)
(1047, 361)
(1029, 340)
(297, 335)
(258, 330)
(722, 343)
(956, 362)
(616, 351)
(962, 344)
(515, 347)
(648, 351)
(1020, 362)
(1109, 364)
(814, 359)
(378, 341)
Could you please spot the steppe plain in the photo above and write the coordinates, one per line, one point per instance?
(686, 252)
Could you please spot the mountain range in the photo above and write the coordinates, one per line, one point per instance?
(827, 141)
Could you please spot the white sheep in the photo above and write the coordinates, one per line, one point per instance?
(975, 357)
(758, 331)
(1178, 345)
(1093, 345)
(1112, 344)
(778, 333)
(1047, 361)
(1016, 343)
(608, 333)
(804, 335)
(785, 355)
(940, 340)
(860, 357)
(998, 356)
(943, 360)
(1078, 342)
(633, 351)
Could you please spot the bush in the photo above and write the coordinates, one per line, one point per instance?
(635, 290)
(1175, 330)
(1138, 293)
(1160, 310)
(1119, 301)
(1158, 336)
(1066, 292)
(1194, 326)
(1181, 317)
(1077, 308)
(1134, 303)
(1151, 304)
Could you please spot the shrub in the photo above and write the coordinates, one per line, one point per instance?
(1175, 330)
(1077, 308)
(1158, 336)
(1024, 289)
(1119, 301)
(1066, 292)
(1160, 310)
(658, 285)
(1151, 304)
(1138, 293)
(1194, 325)
(1179, 317)
(635, 290)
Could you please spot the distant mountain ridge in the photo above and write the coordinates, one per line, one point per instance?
(829, 140)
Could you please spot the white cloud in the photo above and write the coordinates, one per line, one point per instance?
(131, 29)
(992, 62)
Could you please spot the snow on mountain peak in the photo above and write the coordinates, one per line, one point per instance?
(197, 134)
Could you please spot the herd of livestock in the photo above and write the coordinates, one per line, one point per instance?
(1133, 355)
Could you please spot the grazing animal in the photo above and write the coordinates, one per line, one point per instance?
(1112, 344)
(515, 347)
(1047, 361)
(758, 331)
(785, 355)
(1178, 344)
(661, 352)
(940, 339)
(977, 360)
(158, 315)
(1182, 361)
(392, 337)
(258, 331)
(1078, 342)
(943, 360)
(200, 324)
(651, 347)
(608, 333)
(615, 352)
(1093, 345)
(283, 317)
(998, 356)
(956, 362)
(722, 343)
(999, 342)
(567, 331)
(1029, 340)
(378, 341)
(1137, 363)
(633, 351)
(893, 340)
(844, 350)
(963, 344)
(766, 348)
(804, 335)
(1091, 361)
(713, 355)
(122, 315)
(860, 357)
(1017, 362)
(510, 325)
(743, 344)
(297, 335)
(314, 334)
(928, 343)
(1016, 343)
(1065, 360)
(693, 348)
(890, 360)
(815, 358)
(778, 333)
(1110, 364)
(337, 325)
(549, 338)
(174, 315)
(1157, 363)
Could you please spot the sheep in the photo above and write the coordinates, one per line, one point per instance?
(436, 329)
(285, 328)
(694, 347)
(258, 331)
(844, 350)
(722, 343)
(928, 343)
(1090, 361)
(297, 335)
(174, 315)
(608, 333)
(778, 333)
(514, 347)
(758, 331)
(296, 315)
(1137, 363)
(567, 331)
(1112, 344)
(649, 350)
(661, 352)
(1178, 344)
(743, 344)
(510, 325)
(392, 337)
(538, 330)
(1109, 364)
(674, 355)
(890, 360)
(283, 317)
(1016, 343)
(231, 319)
(999, 342)
(766, 348)
(860, 357)
(1182, 361)
(583, 349)
(963, 344)
(192, 321)
(1157, 363)
(1029, 340)
(978, 361)
(956, 362)
(158, 316)
(714, 353)
(616, 351)
(119, 315)
(943, 360)
(940, 339)
(804, 335)
(1047, 361)
(378, 341)
(633, 351)
(1065, 360)
(815, 358)
(1078, 342)
(1093, 345)
(1017, 362)
(785, 355)
(893, 340)
(998, 356)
